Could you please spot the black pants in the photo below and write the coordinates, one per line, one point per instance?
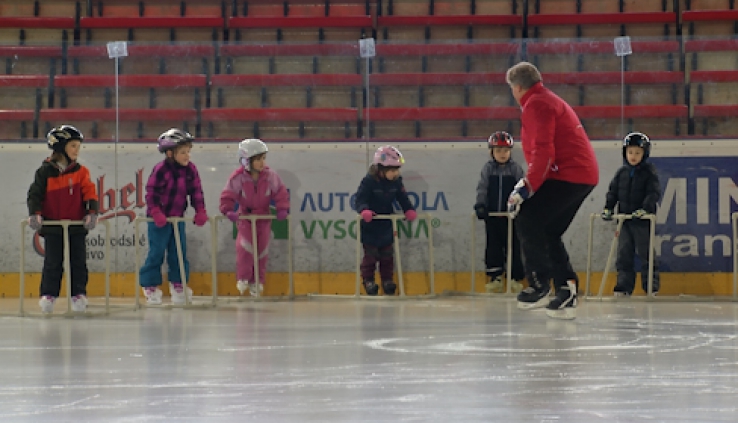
(54, 264)
(634, 239)
(541, 223)
(495, 254)
(382, 255)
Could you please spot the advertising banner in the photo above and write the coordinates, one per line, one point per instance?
(441, 178)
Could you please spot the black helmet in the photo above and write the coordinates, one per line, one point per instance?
(637, 139)
(58, 137)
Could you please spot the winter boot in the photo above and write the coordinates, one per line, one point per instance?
(495, 285)
(563, 306)
(536, 295)
(371, 287)
(389, 287)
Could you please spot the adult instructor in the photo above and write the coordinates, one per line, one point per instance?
(562, 171)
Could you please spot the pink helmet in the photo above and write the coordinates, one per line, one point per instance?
(388, 156)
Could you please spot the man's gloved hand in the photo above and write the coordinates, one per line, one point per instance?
(519, 194)
(606, 214)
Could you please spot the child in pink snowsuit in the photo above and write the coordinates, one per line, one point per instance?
(252, 187)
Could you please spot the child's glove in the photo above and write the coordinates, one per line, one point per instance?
(520, 193)
(159, 219)
(90, 221)
(232, 216)
(639, 214)
(367, 215)
(35, 221)
(201, 217)
(411, 215)
(281, 214)
(606, 214)
(481, 211)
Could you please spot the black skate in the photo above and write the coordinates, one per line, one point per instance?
(371, 288)
(389, 287)
(564, 305)
(534, 296)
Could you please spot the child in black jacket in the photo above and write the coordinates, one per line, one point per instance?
(635, 190)
(376, 193)
(499, 176)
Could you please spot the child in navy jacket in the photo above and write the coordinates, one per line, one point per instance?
(378, 190)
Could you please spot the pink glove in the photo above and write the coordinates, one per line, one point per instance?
(201, 217)
(232, 216)
(281, 214)
(411, 215)
(367, 215)
(159, 219)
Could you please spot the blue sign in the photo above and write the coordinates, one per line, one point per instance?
(693, 231)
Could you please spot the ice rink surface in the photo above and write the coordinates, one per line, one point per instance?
(450, 359)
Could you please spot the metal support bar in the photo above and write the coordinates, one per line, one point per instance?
(67, 266)
(401, 282)
(508, 273)
(620, 219)
(180, 259)
(254, 242)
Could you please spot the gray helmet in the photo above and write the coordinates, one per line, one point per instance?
(58, 137)
(173, 138)
(249, 148)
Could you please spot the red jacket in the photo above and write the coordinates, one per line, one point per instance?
(554, 142)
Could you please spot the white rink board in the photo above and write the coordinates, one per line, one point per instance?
(441, 176)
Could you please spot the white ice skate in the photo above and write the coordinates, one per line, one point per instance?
(47, 304)
(178, 293)
(252, 289)
(153, 295)
(495, 286)
(242, 286)
(79, 303)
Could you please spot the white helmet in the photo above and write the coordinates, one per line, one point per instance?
(249, 148)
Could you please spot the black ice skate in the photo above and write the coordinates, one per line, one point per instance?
(389, 287)
(534, 296)
(564, 305)
(371, 288)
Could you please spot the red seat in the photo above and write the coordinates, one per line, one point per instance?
(248, 22)
(37, 22)
(134, 123)
(714, 23)
(150, 29)
(281, 123)
(145, 59)
(450, 20)
(17, 124)
(602, 18)
(570, 25)
(150, 22)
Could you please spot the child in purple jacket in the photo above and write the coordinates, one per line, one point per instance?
(170, 183)
(253, 186)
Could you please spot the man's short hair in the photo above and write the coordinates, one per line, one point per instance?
(524, 74)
